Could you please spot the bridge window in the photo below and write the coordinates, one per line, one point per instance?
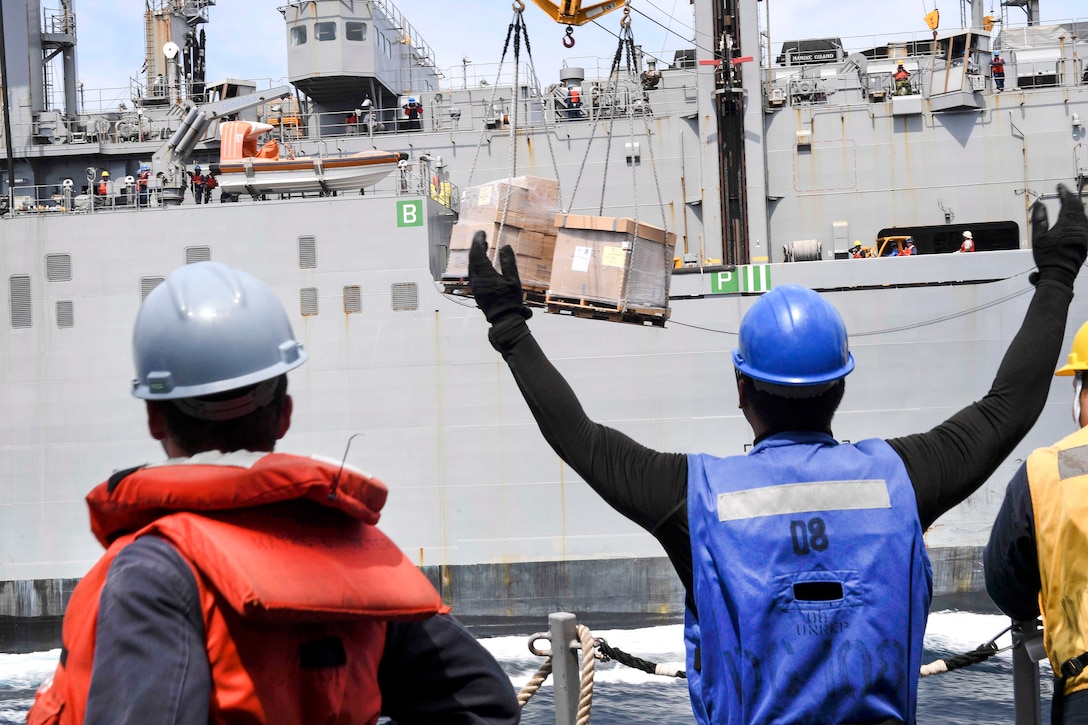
(298, 35)
(324, 31)
(354, 30)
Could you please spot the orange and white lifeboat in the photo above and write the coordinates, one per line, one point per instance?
(243, 167)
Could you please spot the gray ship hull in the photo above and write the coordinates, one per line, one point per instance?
(477, 497)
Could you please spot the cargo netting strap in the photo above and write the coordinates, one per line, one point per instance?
(625, 55)
(516, 32)
(979, 654)
(516, 24)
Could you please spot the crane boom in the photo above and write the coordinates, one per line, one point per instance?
(571, 12)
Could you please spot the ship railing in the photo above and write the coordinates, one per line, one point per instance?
(485, 76)
(420, 179)
(421, 51)
(68, 198)
(51, 199)
(58, 21)
(443, 114)
(1031, 58)
(469, 74)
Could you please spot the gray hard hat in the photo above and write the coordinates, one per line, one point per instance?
(209, 329)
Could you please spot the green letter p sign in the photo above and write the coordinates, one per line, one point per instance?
(745, 278)
(410, 213)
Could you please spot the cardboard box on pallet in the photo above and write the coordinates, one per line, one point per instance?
(614, 262)
(530, 204)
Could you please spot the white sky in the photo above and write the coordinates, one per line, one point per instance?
(246, 38)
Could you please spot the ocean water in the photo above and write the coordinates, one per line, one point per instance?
(623, 696)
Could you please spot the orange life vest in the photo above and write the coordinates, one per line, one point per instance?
(286, 557)
(102, 187)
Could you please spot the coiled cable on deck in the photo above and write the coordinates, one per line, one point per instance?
(979, 654)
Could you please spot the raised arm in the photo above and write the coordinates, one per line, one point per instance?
(950, 462)
(646, 486)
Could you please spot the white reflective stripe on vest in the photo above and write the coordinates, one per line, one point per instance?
(794, 498)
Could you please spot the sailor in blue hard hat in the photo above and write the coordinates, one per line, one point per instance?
(807, 582)
(793, 343)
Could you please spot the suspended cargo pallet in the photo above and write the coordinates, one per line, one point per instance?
(524, 209)
(602, 311)
(611, 268)
(534, 297)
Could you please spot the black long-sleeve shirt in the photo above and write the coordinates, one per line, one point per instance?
(945, 464)
(1011, 559)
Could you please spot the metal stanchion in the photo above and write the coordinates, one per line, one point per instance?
(1028, 649)
(562, 626)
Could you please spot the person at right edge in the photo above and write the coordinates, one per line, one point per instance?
(1034, 561)
(806, 577)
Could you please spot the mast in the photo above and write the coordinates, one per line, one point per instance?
(732, 51)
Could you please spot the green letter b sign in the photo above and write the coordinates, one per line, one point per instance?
(410, 213)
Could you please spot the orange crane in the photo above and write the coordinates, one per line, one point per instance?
(573, 13)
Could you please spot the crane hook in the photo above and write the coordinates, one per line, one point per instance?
(625, 21)
(518, 6)
(568, 39)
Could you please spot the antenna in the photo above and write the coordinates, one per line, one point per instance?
(343, 462)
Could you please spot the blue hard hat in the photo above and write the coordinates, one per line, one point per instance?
(793, 337)
(411, 99)
(144, 167)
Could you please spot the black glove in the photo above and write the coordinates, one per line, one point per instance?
(498, 295)
(1060, 250)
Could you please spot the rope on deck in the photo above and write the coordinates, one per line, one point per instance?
(979, 654)
(593, 648)
(650, 668)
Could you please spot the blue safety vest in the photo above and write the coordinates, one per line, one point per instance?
(812, 584)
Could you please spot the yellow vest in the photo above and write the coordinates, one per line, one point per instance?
(1058, 480)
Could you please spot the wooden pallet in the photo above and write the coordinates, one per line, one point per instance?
(534, 297)
(597, 310)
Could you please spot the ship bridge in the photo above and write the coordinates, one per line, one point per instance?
(341, 54)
